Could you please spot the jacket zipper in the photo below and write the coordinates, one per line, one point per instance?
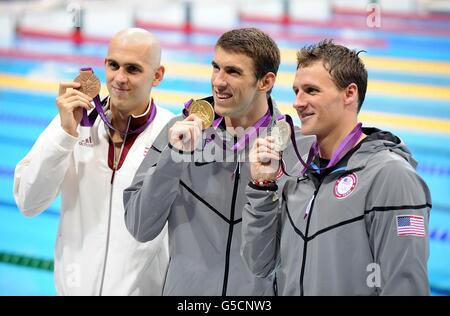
(115, 167)
(230, 230)
(308, 215)
(109, 229)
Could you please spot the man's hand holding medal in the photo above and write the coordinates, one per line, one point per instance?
(74, 97)
(265, 155)
(185, 135)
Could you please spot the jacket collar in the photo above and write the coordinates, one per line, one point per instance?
(358, 157)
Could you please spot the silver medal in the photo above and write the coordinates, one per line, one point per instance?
(281, 132)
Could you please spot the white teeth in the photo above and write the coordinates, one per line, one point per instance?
(223, 96)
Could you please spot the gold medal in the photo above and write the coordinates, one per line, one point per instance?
(204, 110)
(90, 84)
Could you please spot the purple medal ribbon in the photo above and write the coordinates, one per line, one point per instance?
(264, 121)
(294, 143)
(344, 147)
(186, 107)
(88, 120)
(248, 137)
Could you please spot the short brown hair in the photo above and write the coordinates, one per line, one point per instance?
(257, 45)
(344, 65)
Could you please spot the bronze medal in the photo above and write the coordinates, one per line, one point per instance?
(90, 84)
(204, 110)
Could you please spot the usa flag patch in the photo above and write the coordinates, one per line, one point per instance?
(410, 225)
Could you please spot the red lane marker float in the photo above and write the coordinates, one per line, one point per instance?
(358, 24)
(432, 16)
(195, 47)
(280, 35)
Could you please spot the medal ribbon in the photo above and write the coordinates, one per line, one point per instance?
(344, 147)
(88, 121)
(186, 107)
(262, 122)
(244, 140)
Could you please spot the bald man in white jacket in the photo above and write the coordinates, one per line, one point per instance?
(91, 166)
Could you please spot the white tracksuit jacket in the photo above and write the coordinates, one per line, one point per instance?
(94, 252)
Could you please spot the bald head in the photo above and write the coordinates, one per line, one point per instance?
(136, 37)
(133, 67)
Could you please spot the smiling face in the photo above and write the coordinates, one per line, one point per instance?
(234, 84)
(131, 71)
(319, 103)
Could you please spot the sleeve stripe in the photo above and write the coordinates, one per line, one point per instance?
(355, 219)
(398, 207)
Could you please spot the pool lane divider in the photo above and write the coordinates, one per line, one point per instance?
(26, 261)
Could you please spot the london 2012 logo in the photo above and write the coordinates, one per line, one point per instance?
(345, 185)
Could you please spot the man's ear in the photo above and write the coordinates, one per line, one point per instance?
(351, 95)
(159, 75)
(267, 82)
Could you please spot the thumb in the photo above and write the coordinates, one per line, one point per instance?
(63, 86)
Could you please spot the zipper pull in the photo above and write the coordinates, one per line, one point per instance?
(237, 169)
(112, 176)
(114, 168)
(308, 208)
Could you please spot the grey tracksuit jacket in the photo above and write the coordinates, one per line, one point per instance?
(351, 241)
(202, 203)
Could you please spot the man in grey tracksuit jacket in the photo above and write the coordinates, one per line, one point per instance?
(200, 193)
(202, 202)
(345, 245)
(355, 220)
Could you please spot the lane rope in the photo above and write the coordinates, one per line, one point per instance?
(26, 261)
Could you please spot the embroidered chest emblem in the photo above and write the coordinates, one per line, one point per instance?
(345, 185)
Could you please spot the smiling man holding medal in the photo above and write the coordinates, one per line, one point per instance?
(201, 197)
(90, 157)
(355, 220)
